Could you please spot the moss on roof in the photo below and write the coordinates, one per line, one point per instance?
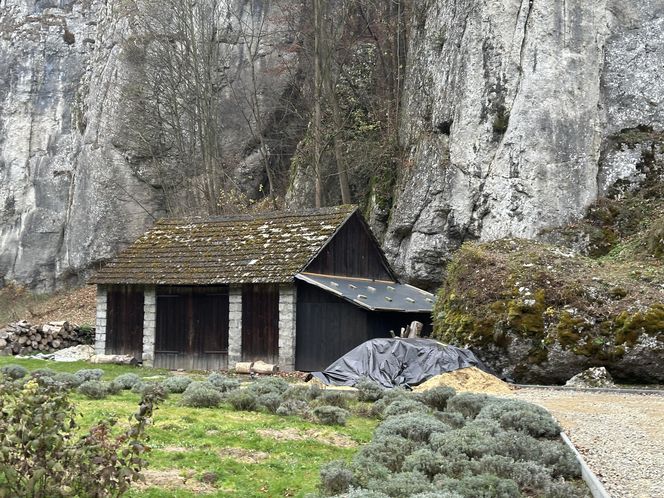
(264, 248)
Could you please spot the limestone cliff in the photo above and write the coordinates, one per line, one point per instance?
(75, 183)
(514, 116)
(511, 113)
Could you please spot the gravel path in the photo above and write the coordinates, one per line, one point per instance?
(621, 436)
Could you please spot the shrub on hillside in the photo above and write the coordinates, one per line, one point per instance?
(14, 371)
(424, 461)
(201, 395)
(223, 383)
(54, 458)
(176, 383)
(480, 486)
(368, 390)
(361, 493)
(333, 398)
(43, 372)
(95, 389)
(403, 406)
(127, 380)
(293, 407)
(466, 442)
(269, 385)
(417, 427)
(243, 399)
(454, 419)
(562, 489)
(437, 494)
(387, 450)
(528, 475)
(436, 397)
(559, 458)
(86, 374)
(521, 416)
(150, 389)
(308, 392)
(335, 477)
(67, 380)
(469, 404)
(389, 397)
(270, 401)
(402, 484)
(331, 415)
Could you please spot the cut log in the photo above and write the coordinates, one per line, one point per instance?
(243, 367)
(118, 359)
(264, 368)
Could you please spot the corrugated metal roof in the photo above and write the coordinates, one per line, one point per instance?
(262, 248)
(373, 294)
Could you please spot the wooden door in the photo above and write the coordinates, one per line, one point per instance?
(260, 322)
(124, 325)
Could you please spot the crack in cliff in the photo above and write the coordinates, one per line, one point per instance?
(479, 210)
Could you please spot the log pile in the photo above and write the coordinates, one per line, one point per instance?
(23, 338)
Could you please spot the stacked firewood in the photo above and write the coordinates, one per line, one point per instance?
(25, 338)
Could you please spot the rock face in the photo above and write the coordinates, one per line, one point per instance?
(511, 110)
(540, 314)
(515, 114)
(74, 185)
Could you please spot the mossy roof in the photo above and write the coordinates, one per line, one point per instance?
(262, 248)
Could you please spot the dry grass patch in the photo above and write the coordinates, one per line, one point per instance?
(290, 434)
(243, 455)
(172, 479)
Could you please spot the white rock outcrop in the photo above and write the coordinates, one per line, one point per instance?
(511, 110)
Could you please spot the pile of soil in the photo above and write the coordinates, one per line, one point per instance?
(470, 379)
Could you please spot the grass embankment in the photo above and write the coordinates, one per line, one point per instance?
(240, 454)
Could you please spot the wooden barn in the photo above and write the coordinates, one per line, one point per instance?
(296, 289)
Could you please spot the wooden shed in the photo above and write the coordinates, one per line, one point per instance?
(298, 289)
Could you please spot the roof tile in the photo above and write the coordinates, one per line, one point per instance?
(263, 248)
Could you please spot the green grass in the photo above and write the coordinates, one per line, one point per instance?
(288, 468)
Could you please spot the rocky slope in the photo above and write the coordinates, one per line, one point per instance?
(541, 314)
(516, 115)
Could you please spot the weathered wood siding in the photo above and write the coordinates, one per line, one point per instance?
(192, 328)
(328, 327)
(352, 253)
(124, 326)
(260, 322)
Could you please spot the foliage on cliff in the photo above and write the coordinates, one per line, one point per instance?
(506, 292)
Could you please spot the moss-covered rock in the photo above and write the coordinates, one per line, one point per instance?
(539, 313)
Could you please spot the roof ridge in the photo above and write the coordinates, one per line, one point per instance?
(268, 215)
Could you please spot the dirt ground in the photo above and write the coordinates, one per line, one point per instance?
(621, 436)
(75, 306)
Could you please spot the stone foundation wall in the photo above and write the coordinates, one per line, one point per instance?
(100, 323)
(149, 325)
(234, 325)
(287, 323)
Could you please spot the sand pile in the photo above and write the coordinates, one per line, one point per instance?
(467, 379)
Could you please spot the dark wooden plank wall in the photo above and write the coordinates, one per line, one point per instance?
(327, 328)
(260, 322)
(192, 328)
(124, 321)
(351, 253)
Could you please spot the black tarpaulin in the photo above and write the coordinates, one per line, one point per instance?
(397, 362)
